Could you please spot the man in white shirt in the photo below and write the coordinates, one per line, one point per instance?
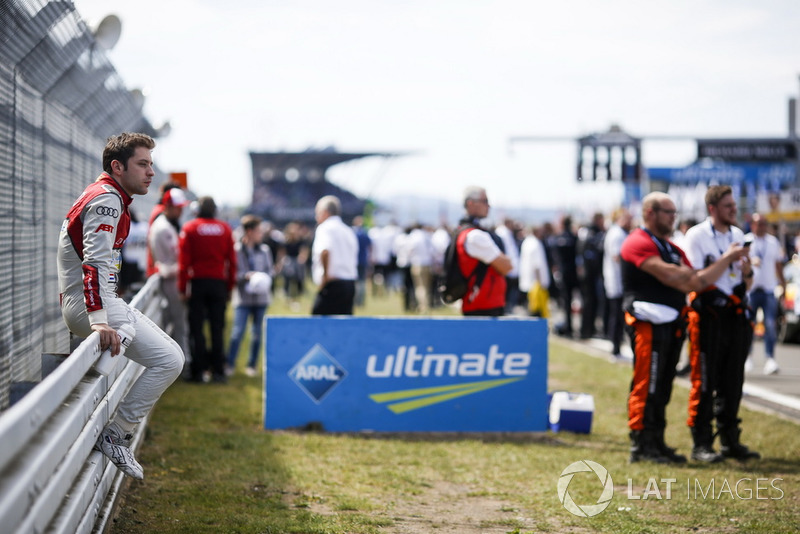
(767, 257)
(719, 331)
(440, 239)
(533, 267)
(334, 260)
(401, 250)
(383, 267)
(163, 244)
(506, 233)
(420, 260)
(612, 277)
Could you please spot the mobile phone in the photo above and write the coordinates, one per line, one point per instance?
(747, 243)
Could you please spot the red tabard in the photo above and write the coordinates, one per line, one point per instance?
(492, 292)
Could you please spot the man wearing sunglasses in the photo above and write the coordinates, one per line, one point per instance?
(656, 276)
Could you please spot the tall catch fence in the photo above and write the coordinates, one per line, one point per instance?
(60, 99)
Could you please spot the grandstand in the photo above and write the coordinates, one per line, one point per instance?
(287, 185)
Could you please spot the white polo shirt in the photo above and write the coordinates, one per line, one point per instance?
(769, 252)
(533, 264)
(342, 245)
(705, 245)
(612, 264)
(511, 249)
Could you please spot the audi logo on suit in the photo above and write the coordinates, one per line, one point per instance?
(105, 210)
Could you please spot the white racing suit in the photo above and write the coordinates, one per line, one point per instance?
(89, 260)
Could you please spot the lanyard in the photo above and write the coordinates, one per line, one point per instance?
(714, 235)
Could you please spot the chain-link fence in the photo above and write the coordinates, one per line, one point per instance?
(60, 99)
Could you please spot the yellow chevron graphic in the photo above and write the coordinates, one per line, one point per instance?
(423, 397)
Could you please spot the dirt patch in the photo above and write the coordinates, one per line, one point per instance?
(446, 507)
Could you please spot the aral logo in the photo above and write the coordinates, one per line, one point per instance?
(595, 470)
(317, 373)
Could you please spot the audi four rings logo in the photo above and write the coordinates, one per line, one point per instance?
(105, 210)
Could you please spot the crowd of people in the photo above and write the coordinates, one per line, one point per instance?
(640, 281)
(706, 289)
(572, 271)
(660, 284)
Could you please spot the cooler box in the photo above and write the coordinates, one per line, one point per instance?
(572, 412)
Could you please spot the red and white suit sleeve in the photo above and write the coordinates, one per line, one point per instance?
(102, 257)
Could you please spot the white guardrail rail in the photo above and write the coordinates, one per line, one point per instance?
(50, 478)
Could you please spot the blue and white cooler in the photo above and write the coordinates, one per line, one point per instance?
(572, 412)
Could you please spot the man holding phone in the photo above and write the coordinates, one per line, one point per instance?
(720, 332)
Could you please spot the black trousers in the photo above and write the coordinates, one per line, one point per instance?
(616, 322)
(512, 293)
(490, 312)
(335, 298)
(565, 289)
(208, 301)
(591, 292)
(720, 341)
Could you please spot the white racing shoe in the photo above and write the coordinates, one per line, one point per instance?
(117, 449)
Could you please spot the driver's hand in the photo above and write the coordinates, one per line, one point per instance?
(109, 339)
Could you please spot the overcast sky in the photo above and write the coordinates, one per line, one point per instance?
(450, 81)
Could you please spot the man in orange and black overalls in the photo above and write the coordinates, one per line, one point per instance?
(656, 276)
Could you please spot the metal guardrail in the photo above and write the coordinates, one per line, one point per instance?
(50, 478)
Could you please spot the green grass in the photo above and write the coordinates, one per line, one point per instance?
(210, 467)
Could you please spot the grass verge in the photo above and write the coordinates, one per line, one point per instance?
(210, 467)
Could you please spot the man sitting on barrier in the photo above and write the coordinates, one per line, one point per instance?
(89, 248)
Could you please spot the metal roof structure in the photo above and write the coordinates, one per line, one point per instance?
(309, 164)
(286, 185)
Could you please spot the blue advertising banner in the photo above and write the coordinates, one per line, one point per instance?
(766, 175)
(389, 374)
